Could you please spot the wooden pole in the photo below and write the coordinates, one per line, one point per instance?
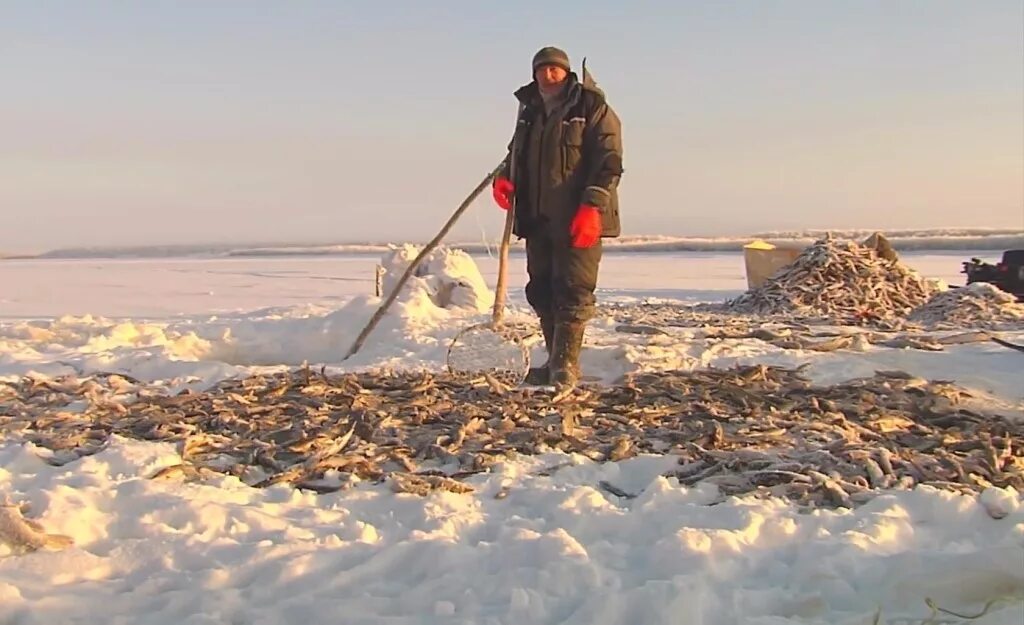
(379, 314)
(501, 287)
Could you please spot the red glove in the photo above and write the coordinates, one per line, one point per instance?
(503, 190)
(585, 229)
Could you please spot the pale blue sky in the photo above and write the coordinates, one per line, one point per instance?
(173, 122)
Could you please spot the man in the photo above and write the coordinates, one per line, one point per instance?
(567, 153)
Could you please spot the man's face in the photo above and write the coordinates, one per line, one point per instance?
(549, 77)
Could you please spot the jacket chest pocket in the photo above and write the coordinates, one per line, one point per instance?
(572, 143)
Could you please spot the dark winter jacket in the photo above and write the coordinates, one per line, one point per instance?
(577, 160)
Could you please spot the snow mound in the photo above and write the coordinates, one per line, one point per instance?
(443, 289)
(449, 277)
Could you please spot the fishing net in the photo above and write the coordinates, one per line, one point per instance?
(490, 349)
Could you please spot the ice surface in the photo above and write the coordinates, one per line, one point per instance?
(557, 549)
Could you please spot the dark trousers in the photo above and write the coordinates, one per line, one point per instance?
(562, 278)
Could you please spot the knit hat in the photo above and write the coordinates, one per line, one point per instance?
(551, 55)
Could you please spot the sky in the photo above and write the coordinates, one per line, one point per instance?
(138, 123)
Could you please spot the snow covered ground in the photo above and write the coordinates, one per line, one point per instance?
(557, 549)
(164, 287)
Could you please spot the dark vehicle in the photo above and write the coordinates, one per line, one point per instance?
(1007, 274)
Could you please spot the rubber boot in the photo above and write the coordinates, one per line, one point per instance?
(539, 376)
(565, 357)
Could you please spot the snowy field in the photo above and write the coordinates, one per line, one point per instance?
(165, 287)
(557, 549)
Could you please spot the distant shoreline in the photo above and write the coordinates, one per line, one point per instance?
(937, 240)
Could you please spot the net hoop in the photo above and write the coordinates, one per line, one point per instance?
(489, 349)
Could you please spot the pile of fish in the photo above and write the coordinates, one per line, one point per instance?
(751, 429)
(841, 281)
(979, 305)
(838, 283)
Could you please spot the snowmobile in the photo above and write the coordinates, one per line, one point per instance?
(1007, 274)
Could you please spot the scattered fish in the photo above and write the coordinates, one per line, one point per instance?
(750, 429)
